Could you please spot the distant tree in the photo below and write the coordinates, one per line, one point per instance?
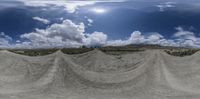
(83, 46)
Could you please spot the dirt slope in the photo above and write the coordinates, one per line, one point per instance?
(96, 75)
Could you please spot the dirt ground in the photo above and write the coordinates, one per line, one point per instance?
(150, 74)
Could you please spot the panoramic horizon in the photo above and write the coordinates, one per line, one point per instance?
(75, 23)
(99, 49)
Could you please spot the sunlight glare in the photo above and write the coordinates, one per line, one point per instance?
(99, 10)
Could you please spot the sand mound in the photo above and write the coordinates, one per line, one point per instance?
(18, 71)
(96, 75)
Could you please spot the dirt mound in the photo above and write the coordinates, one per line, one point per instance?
(18, 71)
(100, 62)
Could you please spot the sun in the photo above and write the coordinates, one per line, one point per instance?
(99, 10)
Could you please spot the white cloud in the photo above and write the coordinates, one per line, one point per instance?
(66, 34)
(69, 34)
(163, 6)
(5, 40)
(186, 38)
(137, 38)
(70, 5)
(45, 21)
(180, 38)
(48, 38)
(61, 19)
(96, 38)
(90, 21)
(117, 42)
(183, 33)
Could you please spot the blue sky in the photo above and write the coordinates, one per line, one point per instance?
(62, 23)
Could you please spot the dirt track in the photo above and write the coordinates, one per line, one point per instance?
(96, 75)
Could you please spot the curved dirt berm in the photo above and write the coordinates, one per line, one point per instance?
(120, 71)
(18, 72)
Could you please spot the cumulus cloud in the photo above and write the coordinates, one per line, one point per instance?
(70, 34)
(138, 38)
(96, 38)
(186, 38)
(182, 33)
(66, 34)
(45, 21)
(180, 38)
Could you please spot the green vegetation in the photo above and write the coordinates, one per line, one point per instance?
(76, 50)
(181, 53)
(114, 50)
(34, 52)
(120, 50)
(41, 52)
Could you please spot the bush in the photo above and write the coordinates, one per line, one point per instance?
(181, 53)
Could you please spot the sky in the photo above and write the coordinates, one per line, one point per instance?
(74, 23)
